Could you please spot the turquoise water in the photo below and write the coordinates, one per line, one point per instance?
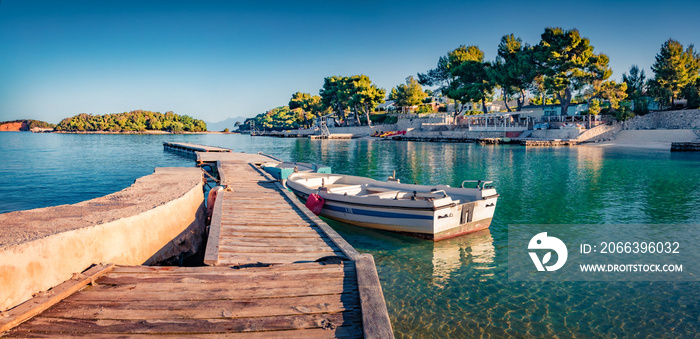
(454, 288)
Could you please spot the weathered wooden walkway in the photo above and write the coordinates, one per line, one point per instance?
(192, 148)
(276, 271)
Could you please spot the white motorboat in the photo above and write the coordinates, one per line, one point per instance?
(430, 212)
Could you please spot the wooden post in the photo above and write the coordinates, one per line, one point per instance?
(375, 317)
(211, 254)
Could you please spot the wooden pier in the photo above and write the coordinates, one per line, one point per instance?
(192, 148)
(276, 271)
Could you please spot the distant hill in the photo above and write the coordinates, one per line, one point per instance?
(221, 125)
(23, 125)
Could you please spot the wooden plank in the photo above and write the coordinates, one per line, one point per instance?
(228, 270)
(258, 202)
(270, 207)
(270, 241)
(251, 258)
(192, 326)
(375, 316)
(253, 184)
(346, 331)
(289, 249)
(194, 147)
(260, 219)
(211, 253)
(264, 217)
(267, 223)
(36, 305)
(217, 292)
(271, 229)
(233, 205)
(235, 273)
(278, 212)
(205, 309)
(230, 233)
(247, 213)
(204, 280)
(255, 192)
(343, 245)
(222, 174)
(213, 281)
(256, 195)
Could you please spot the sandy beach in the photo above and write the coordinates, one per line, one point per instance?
(658, 139)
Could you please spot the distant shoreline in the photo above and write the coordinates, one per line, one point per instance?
(136, 132)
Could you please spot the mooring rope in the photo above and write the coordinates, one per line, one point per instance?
(209, 175)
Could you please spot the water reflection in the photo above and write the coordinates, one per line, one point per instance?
(590, 158)
(454, 288)
(471, 249)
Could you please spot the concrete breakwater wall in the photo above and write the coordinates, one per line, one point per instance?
(600, 132)
(683, 119)
(156, 218)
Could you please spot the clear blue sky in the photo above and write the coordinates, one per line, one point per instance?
(219, 59)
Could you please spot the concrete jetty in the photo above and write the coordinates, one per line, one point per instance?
(275, 271)
(146, 223)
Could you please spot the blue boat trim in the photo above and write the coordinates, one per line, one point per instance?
(377, 213)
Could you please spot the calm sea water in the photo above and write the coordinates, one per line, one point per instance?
(454, 288)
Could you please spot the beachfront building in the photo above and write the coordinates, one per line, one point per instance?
(539, 112)
(387, 106)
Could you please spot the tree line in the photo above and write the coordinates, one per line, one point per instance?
(340, 95)
(138, 120)
(562, 68)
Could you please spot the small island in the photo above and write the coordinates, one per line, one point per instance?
(138, 121)
(134, 121)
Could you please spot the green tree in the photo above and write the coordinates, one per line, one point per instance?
(363, 95)
(567, 63)
(675, 68)
(306, 106)
(636, 82)
(299, 103)
(471, 81)
(692, 92)
(593, 107)
(442, 76)
(613, 92)
(332, 95)
(409, 94)
(439, 76)
(513, 70)
(637, 86)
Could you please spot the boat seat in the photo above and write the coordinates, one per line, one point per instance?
(342, 188)
(384, 194)
(378, 190)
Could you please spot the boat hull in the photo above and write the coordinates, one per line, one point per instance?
(463, 229)
(444, 223)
